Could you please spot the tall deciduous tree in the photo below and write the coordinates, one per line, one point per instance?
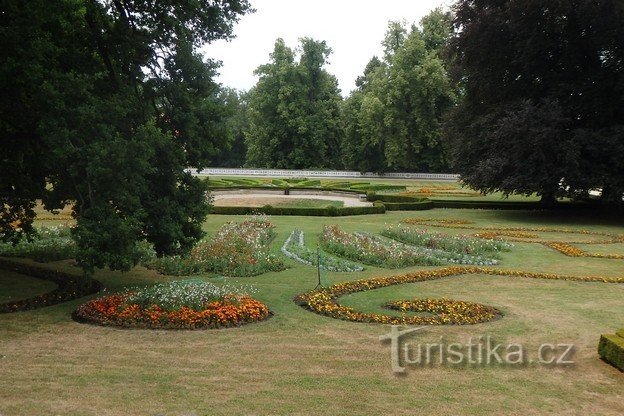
(543, 110)
(104, 105)
(393, 119)
(294, 110)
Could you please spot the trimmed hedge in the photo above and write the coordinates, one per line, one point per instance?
(329, 211)
(400, 202)
(70, 287)
(409, 206)
(611, 349)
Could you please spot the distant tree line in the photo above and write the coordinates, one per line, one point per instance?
(296, 118)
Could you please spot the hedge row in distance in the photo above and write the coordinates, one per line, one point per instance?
(329, 211)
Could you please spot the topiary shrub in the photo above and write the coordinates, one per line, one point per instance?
(611, 349)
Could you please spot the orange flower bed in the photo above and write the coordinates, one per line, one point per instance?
(113, 310)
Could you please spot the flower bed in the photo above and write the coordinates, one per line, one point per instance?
(238, 249)
(453, 243)
(445, 311)
(174, 305)
(294, 248)
(323, 301)
(384, 252)
(527, 235)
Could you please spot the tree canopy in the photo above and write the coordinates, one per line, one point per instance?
(393, 120)
(543, 93)
(104, 106)
(294, 110)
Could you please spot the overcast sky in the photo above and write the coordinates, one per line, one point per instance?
(353, 29)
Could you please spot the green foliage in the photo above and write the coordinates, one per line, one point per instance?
(104, 106)
(542, 109)
(45, 245)
(611, 349)
(237, 122)
(294, 111)
(174, 265)
(393, 119)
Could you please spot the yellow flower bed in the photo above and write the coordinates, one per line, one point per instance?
(323, 301)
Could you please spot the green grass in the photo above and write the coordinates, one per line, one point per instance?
(309, 203)
(18, 286)
(300, 363)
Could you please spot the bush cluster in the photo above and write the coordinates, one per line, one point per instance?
(46, 245)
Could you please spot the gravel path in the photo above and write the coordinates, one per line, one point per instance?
(258, 200)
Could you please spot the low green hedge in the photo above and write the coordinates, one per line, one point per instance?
(372, 196)
(409, 206)
(378, 187)
(70, 287)
(330, 211)
(611, 349)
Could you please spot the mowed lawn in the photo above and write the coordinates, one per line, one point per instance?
(300, 363)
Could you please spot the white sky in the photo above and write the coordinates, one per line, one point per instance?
(353, 29)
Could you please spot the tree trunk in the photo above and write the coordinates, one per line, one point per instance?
(548, 199)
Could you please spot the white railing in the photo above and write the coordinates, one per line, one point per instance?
(274, 173)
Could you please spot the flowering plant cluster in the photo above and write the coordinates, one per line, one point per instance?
(47, 244)
(175, 305)
(445, 311)
(384, 252)
(454, 243)
(294, 247)
(324, 301)
(239, 249)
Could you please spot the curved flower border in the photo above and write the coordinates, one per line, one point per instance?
(70, 287)
(112, 311)
(324, 301)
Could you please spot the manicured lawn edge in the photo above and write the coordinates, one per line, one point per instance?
(70, 287)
